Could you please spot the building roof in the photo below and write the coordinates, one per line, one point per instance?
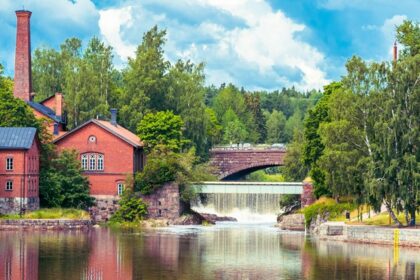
(45, 111)
(116, 130)
(16, 137)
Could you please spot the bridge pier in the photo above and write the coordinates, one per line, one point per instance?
(307, 197)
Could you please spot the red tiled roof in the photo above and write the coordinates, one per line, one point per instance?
(117, 130)
(124, 133)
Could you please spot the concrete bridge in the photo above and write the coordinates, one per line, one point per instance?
(234, 162)
(304, 189)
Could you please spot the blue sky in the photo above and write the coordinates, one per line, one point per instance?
(257, 44)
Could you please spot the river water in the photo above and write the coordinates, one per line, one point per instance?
(223, 251)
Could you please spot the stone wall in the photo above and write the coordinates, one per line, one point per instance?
(105, 207)
(164, 203)
(369, 234)
(14, 205)
(45, 224)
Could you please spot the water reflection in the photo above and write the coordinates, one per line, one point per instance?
(220, 252)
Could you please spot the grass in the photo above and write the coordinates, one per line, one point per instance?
(51, 213)
(382, 219)
(326, 205)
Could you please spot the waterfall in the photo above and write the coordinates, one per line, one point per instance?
(244, 207)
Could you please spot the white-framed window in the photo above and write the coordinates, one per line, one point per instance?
(84, 160)
(92, 162)
(9, 163)
(9, 185)
(100, 162)
(120, 188)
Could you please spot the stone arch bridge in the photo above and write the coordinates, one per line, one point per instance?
(232, 163)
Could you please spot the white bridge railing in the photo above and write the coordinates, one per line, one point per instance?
(250, 187)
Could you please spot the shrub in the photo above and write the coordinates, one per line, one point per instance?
(132, 208)
(323, 206)
(289, 200)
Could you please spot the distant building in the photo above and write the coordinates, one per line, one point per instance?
(19, 169)
(52, 108)
(108, 153)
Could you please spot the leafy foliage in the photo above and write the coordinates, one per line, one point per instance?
(132, 208)
(161, 128)
(163, 166)
(66, 186)
(325, 206)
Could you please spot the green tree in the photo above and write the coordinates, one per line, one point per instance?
(186, 98)
(47, 73)
(162, 128)
(313, 146)
(258, 122)
(294, 168)
(234, 130)
(145, 80)
(343, 158)
(292, 124)
(67, 186)
(132, 208)
(276, 122)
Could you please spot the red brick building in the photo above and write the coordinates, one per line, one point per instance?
(51, 109)
(108, 153)
(19, 169)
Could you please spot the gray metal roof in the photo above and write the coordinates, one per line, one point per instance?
(45, 110)
(16, 137)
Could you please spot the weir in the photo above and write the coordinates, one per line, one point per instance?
(246, 201)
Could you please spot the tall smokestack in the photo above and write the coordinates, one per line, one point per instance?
(395, 52)
(23, 76)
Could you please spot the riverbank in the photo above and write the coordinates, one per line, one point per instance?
(45, 224)
(339, 231)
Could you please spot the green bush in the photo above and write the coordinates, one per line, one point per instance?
(287, 200)
(132, 208)
(323, 206)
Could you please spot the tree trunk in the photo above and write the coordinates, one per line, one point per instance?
(412, 222)
(392, 214)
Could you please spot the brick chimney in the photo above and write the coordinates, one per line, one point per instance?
(23, 77)
(58, 104)
(395, 52)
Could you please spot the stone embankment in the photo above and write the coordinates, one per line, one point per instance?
(45, 224)
(368, 234)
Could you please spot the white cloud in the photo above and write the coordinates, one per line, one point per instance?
(110, 23)
(388, 30)
(247, 43)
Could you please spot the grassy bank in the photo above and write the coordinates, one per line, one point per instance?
(51, 213)
(327, 206)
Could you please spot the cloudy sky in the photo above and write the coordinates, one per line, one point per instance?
(257, 44)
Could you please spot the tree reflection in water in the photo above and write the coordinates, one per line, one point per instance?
(218, 252)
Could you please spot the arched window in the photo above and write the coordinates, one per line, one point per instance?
(92, 162)
(120, 188)
(100, 162)
(84, 162)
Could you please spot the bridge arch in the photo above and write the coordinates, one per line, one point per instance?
(233, 163)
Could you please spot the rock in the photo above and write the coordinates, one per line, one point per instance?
(292, 222)
(214, 218)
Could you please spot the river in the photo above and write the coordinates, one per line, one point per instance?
(223, 251)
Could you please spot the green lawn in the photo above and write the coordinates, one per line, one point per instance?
(51, 213)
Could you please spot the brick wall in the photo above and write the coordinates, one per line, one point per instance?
(118, 157)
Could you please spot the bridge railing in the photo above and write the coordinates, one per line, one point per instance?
(247, 146)
(250, 187)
